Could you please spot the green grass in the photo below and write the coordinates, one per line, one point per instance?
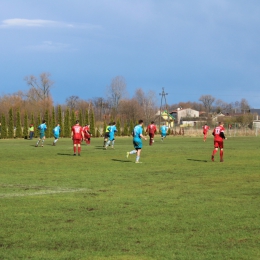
(177, 204)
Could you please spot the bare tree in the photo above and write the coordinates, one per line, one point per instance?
(240, 106)
(72, 101)
(101, 107)
(194, 105)
(223, 107)
(116, 91)
(244, 106)
(207, 101)
(147, 102)
(130, 110)
(235, 107)
(40, 88)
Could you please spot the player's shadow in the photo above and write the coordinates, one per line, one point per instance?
(124, 161)
(99, 147)
(65, 154)
(196, 160)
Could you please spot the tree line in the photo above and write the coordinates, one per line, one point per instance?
(36, 104)
(18, 127)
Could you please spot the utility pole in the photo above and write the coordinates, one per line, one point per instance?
(163, 98)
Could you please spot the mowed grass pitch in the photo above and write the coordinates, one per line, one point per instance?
(177, 204)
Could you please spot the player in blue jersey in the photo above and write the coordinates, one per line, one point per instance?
(42, 127)
(56, 134)
(164, 130)
(137, 141)
(111, 139)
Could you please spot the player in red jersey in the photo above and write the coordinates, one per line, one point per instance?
(87, 134)
(77, 135)
(151, 130)
(205, 131)
(219, 136)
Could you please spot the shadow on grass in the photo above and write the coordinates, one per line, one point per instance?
(66, 154)
(40, 145)
(195, 160)
(117, 160)
(100, 147)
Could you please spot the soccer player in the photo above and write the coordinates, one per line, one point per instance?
(77, 135)
(219, 136)
(56, 134)
(163, 129)
(137, 141)
(31, 130)
(112, 129)
(106, 135)
(205, 131)
(151, 130)
(87, 134)
(42, 127)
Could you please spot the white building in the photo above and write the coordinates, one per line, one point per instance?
(186, 114)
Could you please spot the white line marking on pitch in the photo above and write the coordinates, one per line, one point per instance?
(41, 193)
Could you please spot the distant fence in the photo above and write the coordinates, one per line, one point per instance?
(194, 131)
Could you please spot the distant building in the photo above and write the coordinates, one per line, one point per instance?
(256, 124)
(256, 121)
(218, 117)
(186, 114)
(165, 117)
(255, 112)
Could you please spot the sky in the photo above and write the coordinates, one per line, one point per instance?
(188, 47)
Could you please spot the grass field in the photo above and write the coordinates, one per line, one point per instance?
(177, 204)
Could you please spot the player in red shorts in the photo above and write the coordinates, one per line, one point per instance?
(219, 136)
(205, 131)
(87, 134)
(151, 130)
(77, 135)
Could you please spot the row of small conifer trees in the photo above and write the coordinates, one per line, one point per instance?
(11, 128)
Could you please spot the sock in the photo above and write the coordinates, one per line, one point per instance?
(133, 152)
(79, 149)
(55, 141)
(108, 142)
(42, 142)
(137, 158)
(214, 152)
(221, 154)
(74, 148)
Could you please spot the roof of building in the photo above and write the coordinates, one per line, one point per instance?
(253, 111)
(181, 109)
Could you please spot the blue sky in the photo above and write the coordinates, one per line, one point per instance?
(189, 47)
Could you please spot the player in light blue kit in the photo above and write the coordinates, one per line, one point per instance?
(42, 127)
(112, 129)
(164, 130)
(56, 134)
(137, 141)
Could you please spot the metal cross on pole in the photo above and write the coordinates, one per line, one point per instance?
(163, 94)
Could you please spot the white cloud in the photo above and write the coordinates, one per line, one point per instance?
(18, 22)
(28, 23)
(49, 46)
